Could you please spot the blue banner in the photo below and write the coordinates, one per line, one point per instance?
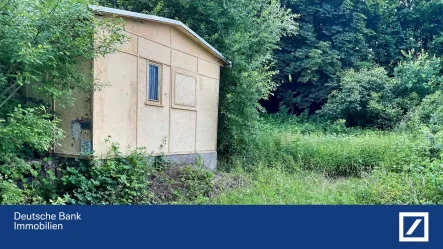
(221, 227)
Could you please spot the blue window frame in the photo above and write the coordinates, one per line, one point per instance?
(154, 83)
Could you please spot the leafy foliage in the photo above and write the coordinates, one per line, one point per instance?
(418, 76)
(363, 99)
(332, 38)
(339, 35)
(49, 42)
(27, 183)
(27, 127)
(117, 180)
(181, 184)
(371, 98)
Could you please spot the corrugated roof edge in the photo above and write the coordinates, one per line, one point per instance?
(107, 10)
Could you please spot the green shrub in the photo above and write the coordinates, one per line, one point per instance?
(428, 116)
(29, 183)
(181, 184)
(363, 98)
(417, 77)
(31, 127)
(372, 98)
(10, 193)
(418, 185)
(118, 180)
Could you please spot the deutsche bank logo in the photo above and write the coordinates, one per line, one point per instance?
(414, 227)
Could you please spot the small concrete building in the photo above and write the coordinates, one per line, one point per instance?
(163, 94)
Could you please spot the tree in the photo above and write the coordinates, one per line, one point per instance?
(341, 34)
(363, 98)
(370, 97)
(332, 38)
(44, 44)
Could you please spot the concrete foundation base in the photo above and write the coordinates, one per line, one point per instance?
(209, 160)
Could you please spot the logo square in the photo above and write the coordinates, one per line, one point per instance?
(414, 227)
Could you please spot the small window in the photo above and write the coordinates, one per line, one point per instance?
(154, 83)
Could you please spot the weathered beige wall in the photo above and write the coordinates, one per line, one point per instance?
(76, 121)
(153, 121)
(182, 42)
(183, 130)
(114, 109)
(185, 120)
(156, 32)
(154, 51)
(207, 114)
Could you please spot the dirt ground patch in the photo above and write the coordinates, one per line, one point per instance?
(186, 183)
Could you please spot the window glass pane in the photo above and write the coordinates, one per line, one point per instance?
(153, 82)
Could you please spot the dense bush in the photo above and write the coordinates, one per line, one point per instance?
(363, 98)
(117, 180)
(371, 98)
(27, 183)
(134, 179)
(10, 193)
(417, 77)
(428, 116)
(31, 128)
(338, 35)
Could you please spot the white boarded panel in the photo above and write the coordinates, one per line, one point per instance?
(185, 89)
(115, 105)
(207, 114)
(182, 131)
(209, 69)
(184, 61)
(130, 46)
(154, 51)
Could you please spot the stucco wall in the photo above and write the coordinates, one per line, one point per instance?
(115, 106)
(76, 121)
(185, 120)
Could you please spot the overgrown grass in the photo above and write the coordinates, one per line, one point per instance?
(286, 145)
(275, 186)
(303, 163)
